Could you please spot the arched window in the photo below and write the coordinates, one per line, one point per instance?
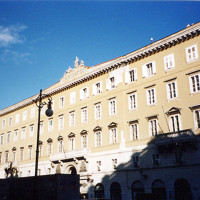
(99, 191)
(158, 190)
(182, 190)
(115, 191)
(72, 170)
(137, 189)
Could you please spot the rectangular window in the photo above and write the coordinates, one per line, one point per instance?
(61, 102)
(174, 123)
(72, 143)
(196, 118)
(21, 158)
(155, 159)
(32, 113)
(98, 139)
(191, 53)
(136, 161)
(172, 92)
(61, 122)
(132, 101)
(40, 150)
(17, 118)
(112, 107)
(15, 135)
(134, 131)
(84, 141)
(3, 123)
(98, 165)
(133, 75)
(0, 157)
(72, 119)
(97, 111)
(84, 115)
(10, 121)
(30, 148)
(169, 62)
(153, 127)
(14, 156)
(24, 117)
(84, 93)
(49, 148)
(195, 83)
(60, 146)
(149, 69)
(114, 163)
(41, 128)
(112, 82)
(72, 97)
(23, 134)
(151, 96)
(50, 125)
(97, 88)
(1, 139)
(31, 132)
(113, 136)
(8, 137)
(6, 156)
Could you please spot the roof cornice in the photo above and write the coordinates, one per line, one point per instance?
(97, 70)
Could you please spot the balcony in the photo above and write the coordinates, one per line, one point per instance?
(182, 136)
(67, 155)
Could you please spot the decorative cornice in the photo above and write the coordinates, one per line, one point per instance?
(97, 70)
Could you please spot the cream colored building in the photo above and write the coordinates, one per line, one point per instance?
(127, 125)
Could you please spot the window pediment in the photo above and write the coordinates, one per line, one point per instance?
(14, 149)
(60, 138)
(71, 135)
(97, 128)
(82, 132)
(111, 125)
(49, 140)
(173, 110)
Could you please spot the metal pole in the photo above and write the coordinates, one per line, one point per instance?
(38, 134)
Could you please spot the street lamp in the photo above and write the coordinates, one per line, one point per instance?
(49, 113)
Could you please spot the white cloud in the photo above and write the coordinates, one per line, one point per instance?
(11, 35)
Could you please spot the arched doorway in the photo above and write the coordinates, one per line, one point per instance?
(158, 190)
(115, 191)
(99, 191)
(137, 189)
(72, 170)
(182, 190)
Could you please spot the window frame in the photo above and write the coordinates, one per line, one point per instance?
(191, 56)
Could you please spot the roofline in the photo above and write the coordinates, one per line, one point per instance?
(155, 47)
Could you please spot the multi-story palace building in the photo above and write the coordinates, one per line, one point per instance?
(127, 126)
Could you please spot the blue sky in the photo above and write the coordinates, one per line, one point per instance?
(40, 40)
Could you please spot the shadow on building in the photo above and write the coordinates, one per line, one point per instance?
(168, 168)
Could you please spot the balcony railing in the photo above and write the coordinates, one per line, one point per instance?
(69, 154)
(174, 137)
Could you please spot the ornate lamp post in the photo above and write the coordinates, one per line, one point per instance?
(49, 113)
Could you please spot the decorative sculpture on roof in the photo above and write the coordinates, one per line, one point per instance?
(76, 63)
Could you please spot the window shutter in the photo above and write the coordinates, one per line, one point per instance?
(127, 75)
(94, 89)
(154, 67)
(135, 71)
(87, 92)
(81, 94)
(100, 86)
(144, 71)
(108, 84)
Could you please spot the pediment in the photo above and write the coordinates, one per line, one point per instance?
(173, 110)
(49, 140)
(60, 138)
(111, 125)
(83, 132)
(14, 149)
(97, 128)
(71, 135)
(40, 142)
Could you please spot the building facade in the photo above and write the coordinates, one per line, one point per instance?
(130, 126)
